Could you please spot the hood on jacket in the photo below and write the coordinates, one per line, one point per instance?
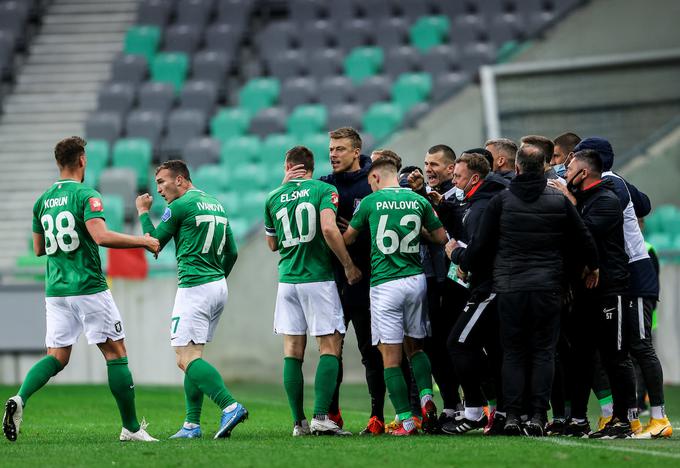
(528, 187)
(499, 178)
(602, 146)
(605, 184)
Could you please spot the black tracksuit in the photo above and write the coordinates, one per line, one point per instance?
(526, 232)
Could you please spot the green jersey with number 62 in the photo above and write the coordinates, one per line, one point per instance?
(199, 225)
(292, 214)
(73, 263)
(394, 216)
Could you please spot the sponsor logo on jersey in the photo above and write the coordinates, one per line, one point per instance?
(334, 199)
(397, 205)
(294, 196)
(96, 204)
(166, 214)
(118, 326)
(52, 202)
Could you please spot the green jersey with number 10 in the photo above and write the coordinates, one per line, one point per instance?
(394, 216)
(73, 264)
(293, 214)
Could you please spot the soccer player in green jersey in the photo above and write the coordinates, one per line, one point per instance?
(68, 227)
(396, 218)
(300, 223)
(206, 253)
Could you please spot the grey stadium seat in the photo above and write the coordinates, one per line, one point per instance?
(507, 27)
(287, 64)
(129, 69)
(145, 124)
(467, 29)
(154, 12)
(235, 12)
(335, 90)
(199, 95)
(183, 125)
(116, 97)
(120, 181)
(402, 60)
(199, 151)
(343, 11)
(326, 62)
(414, 9)
(317, 34)
(304, 11)
(276, 37)
(211, 65)
(391, 32)
(13, 16)
(441, 59)
(354, 33)
(181, 38)
(222, 37)
(477, 54)
(194, 12)
(298, 91)
(346, 115)
(156, 96)
(268, 121)
(376, 9)
(104, 126)
(447, 84)
(373, 89)
(6, 52)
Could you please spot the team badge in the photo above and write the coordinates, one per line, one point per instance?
(166, 215)
(118, 326)
(96, 204)
(334, 199)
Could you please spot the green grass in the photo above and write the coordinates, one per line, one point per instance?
(79, 426)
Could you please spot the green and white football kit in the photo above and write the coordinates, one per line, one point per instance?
(307, 297)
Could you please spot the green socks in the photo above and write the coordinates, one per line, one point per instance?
(209, 381)
(193, 397)
(123, 390)
(38, 376)
(396, 387)
(294, 384)
(325, 382)
(422, 373)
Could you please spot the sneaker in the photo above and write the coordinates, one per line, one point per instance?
(407, 427)
(430, 422)
(614, 429)
(374, 427)
(445, 418)
(535, 427)
(392, 425)
(463, 425)
(11, 420)
(555, 427)
(230, 419)
(301, 428)
(602, 421)
(577, 429)
(337, 419)
(140, 436)
(327, 426)
(496, 424)
(513, 426)
(655, 429)
(635, 425)
(188, 433)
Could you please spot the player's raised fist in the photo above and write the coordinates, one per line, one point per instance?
(143, 203)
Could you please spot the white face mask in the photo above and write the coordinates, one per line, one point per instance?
(460, 194)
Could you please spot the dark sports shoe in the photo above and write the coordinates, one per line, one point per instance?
(513, 426)
(535, 426)
(445, 418)
(496, 425)
(430, 424)
(614, 429)
(577, 429)
(555, 427)
(463, 425)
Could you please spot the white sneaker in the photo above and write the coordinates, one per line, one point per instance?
(11, 420)
(140, 436)
(301, 429)
(327, 427)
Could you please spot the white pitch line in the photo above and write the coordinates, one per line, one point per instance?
(613, 448)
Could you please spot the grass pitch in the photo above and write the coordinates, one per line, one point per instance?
(79, 426)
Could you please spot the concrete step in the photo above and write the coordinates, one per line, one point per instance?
(74, 60)
(43, 68)
(51, 127)
(47, 116)
(50, 98)
(7, 142)
(127, 18)
(54, 107)
(84, 28)
(89, 38)
(68, 77)
(44, 165)
(41, 88)
(107, 47)
(92, 7)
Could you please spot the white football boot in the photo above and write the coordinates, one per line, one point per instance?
(11, 420)
(140, 436)
(327, 426)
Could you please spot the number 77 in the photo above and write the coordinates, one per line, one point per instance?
(211, 220)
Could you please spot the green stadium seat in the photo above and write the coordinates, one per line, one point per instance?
(666, 218)
(114, 211)
(363, 62)
(239, 227)
(97, 152)
(159, 203)
(307, 119)
(231, 201)
(229, 123)
(411, 89)
(318, 145)
(274, 149)
(429, 31)
(382, 118)
(241, 149)
(322, 167)
(249, 176)
(170, 67)
(30, 267)
(211, 178)
(142, 40)
(259, 93)
(136, 154)
(252, 205)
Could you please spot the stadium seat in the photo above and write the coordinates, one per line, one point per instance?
(267, 121)
(121, 181)
(305, 11)
(181, 38)
(30, 267)
(391, 33)
(235, 12)
(363, 62)
(231, 201)
(158, 97)
(240, 150)
(252, 204)
(307, 119)
(211, 65)
(414, 8)
(411, 89)
(400, 60)
(316, 34)
(240, 227)
(229, 122)
(325, 62)
(97, 152)
(446, 85)
(347, 115)
(248, 177)
(276, 38)
(142, 40)
(287, 64)
(382, 118)
(134, 153)
(374, 9)
(129, 69)
(318, 145)
(373, 89)
(259, 93)
(221, 37)
(155, 12)
(194, 12)
(103, 126)
(199, 95)
(274, 149)
(145, 124)
(429, 31)
(342, 12)
(335, 90)
(116, 97)
(170, 68)
(183, 125)
(211, 178)
(298, 91)
(114, 210)
(440, 59)
(353, 34)
(200, 151)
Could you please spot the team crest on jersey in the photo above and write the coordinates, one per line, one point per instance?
(96, 204)
(118, 326)
(166, 215)
(334, 199)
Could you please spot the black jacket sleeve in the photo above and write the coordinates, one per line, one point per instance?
(579, 230)
(640, 201)
(485, 239)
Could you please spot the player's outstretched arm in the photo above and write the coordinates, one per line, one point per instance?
(438, 236)
(38, 244)
(116, 240)
(335, 241)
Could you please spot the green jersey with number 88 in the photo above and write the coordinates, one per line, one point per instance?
(199, 225)
(292, 214)
(394, 216)
(73, 264)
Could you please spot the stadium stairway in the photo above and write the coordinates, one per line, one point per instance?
(55, 89)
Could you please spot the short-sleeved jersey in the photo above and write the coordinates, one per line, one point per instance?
(200, 227)
(293, 214)
(394, 216)
(73, 264)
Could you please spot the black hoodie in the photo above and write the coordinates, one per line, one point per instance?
(526, 232)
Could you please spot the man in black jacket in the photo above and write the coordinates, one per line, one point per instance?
(524, 232)
(597, 320)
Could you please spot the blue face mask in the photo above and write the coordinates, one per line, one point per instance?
(560, 170)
